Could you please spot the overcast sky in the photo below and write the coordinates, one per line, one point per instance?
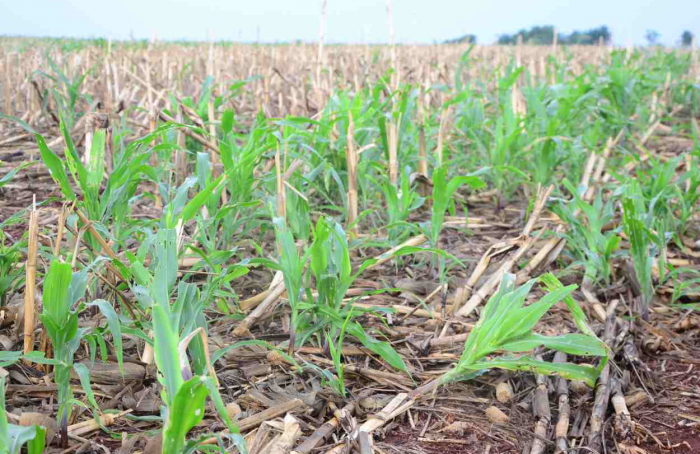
(422, 21)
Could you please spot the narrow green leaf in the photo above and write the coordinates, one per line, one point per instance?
(383, 349)
(37, 444)
(56, 288)
(194, 205)
(10, 175)
(520, 321)
(8, 358)
(56, 169)
(185, 411)
(227, 121)
(552, 283)
(589, 375)
(84, 375)
(573, 344)
(166, 354)
(115, 328)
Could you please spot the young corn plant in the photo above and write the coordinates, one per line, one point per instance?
(292, 266)
(62, 291)
(640, 249)
(507, 326)
(67, 90)
(13, 437)
(443, 190)
(400, 202)
(331, 269)
(669, 201)
(240, 163)
(111, 205)
(175, 326)
(325, 315)
(586, 238)
(11, 268)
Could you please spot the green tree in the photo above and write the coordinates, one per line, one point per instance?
(652, 37)
(687, 38)
(544, 35)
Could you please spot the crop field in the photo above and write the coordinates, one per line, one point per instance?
(216, 247)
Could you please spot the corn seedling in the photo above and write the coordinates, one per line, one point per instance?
(400, 202)
(325, 315)
(63, 289)
(506, 325)
(586, 237)
(331, 269)
(111, 204)
(640, 248)
(443, 190)
(11, 270)
(66, 90)
(13, 437)
(174, 327)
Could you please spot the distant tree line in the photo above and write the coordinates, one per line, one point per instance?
(544, 35)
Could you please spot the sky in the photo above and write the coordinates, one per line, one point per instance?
(359, 21)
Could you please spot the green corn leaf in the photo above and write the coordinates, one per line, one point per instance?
(573, 344)
(173, 209)
(611, 245)
(289, 262)
(19, 123)
(13, 437)
(498, 316)
(32, 436)
(166, 354)
(203, 169)
(114, 326)
(520, 321)
(552, 284)
(341, 255)
(79, 282)
(227, 121)
(589, 375)
(56, 169)
(639, 249)
(96, 165)
(75, 165)
(84, 375)
(141, 275)
(8, 358)
(165, 269)
(383, 349)
(194, 205)
(37, 444)
(442, 195)
(185, 411)
(39, 358)
(11, 174)
(56, 288)
(320, 248)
